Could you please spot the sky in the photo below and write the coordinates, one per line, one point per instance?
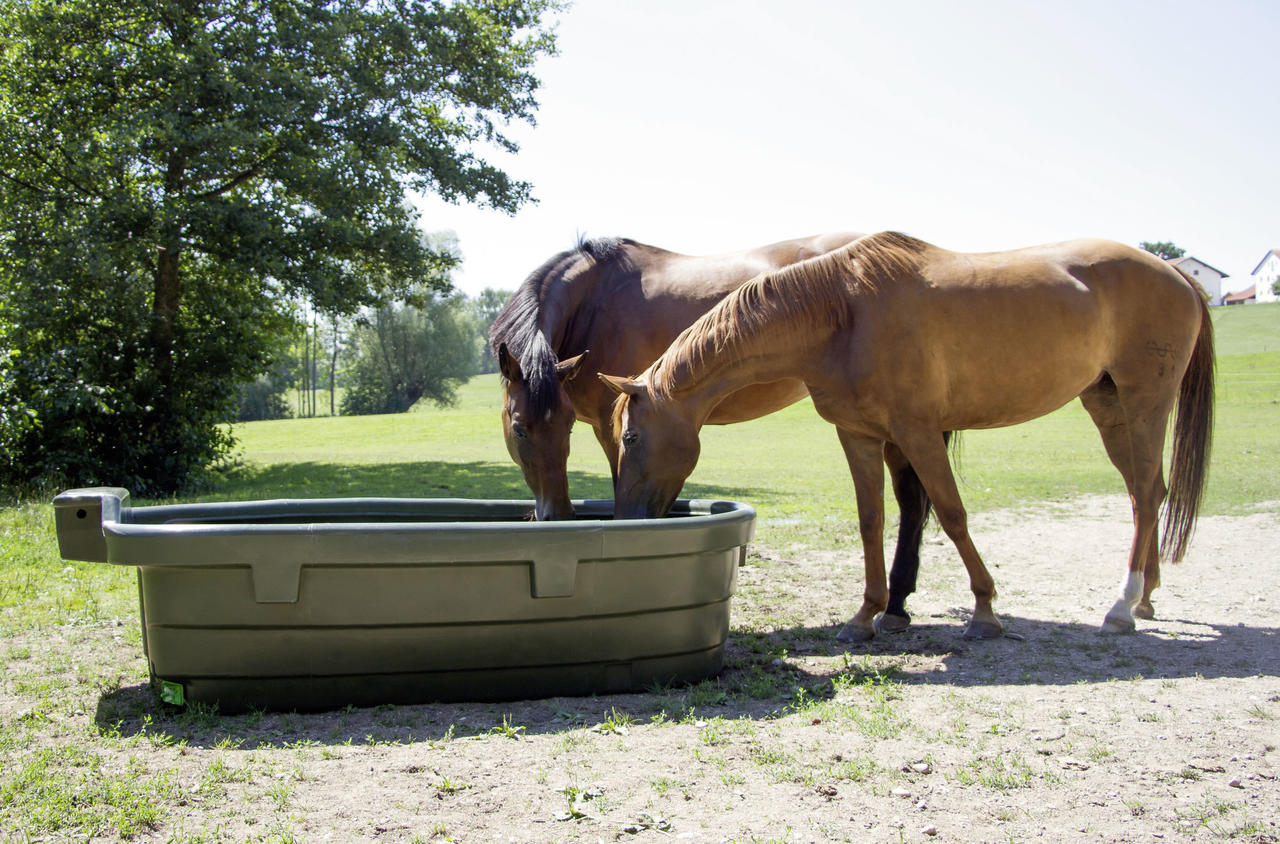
(704, 127)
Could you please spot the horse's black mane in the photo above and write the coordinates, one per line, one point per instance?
(519, 323)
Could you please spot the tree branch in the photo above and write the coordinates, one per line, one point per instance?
(233, 183)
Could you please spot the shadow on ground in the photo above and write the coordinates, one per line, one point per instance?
(767, 675)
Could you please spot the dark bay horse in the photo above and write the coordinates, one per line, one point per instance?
(898, 340)
(613, 305)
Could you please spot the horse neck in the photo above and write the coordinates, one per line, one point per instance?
(565, 314)
(783, 348)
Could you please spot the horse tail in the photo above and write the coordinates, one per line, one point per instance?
(1192, 434)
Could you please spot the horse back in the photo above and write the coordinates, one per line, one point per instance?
(993, 339)
(633, 307)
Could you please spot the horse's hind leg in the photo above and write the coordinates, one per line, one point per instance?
(1132, 432)
(913, 509)
(927, 451)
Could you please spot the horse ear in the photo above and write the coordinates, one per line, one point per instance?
(508, 365)
(622, 385)
(567, 370)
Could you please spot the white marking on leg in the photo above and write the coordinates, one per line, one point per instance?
(1133, 588)
(1121, 615)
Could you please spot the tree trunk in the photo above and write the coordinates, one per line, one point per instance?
(162, 431)
(333, 369)
(168, 290)
(164, 312)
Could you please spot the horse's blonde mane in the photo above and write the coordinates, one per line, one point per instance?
(783, 308)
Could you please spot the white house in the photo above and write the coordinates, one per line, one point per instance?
(1209, 278)
(1265, 275)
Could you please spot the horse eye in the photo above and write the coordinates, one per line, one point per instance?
(520, 432)
(630, 438)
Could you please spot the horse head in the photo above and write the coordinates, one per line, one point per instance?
(658, 449)
(536, 428)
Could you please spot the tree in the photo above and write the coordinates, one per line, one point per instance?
(485, 307)
(170, 171)
(1163, 249)
(404, 353)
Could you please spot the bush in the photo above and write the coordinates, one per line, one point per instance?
(81, 400)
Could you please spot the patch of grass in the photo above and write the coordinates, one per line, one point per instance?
(447, 786)
(69, 792)
(866, 702)
(714, 733)
(777, 764)
(40, 590)
(1208, 813)
(664, 785)
(506, 729)
(998, 773)
(1246, 331)
(1260, 712)
(859, 769)
(615, 723)
(578, 799)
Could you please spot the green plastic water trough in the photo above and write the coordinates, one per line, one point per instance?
(315, 604)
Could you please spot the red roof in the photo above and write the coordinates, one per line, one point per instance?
(1240, 295)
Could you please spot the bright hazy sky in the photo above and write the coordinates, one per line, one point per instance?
(706, 127)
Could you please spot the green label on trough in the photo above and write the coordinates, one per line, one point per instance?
(171, 692)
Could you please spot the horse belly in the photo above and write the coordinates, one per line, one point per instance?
(1013, 406)
(1029, 382)
(1023, 352)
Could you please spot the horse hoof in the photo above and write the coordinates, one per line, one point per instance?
(983, 630)
(1146, 611)
(851, 633)
(887, 623)
(1112, 624)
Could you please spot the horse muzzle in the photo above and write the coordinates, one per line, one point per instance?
(547, 510)
(650, 506)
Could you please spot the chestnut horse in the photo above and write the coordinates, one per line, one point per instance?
(898, 340)
(625, 302)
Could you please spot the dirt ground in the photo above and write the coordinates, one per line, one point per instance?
(1052, 733)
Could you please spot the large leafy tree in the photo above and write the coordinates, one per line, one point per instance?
(173, 169)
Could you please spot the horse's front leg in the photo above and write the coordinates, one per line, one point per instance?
(608, 443)
(865, 457)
